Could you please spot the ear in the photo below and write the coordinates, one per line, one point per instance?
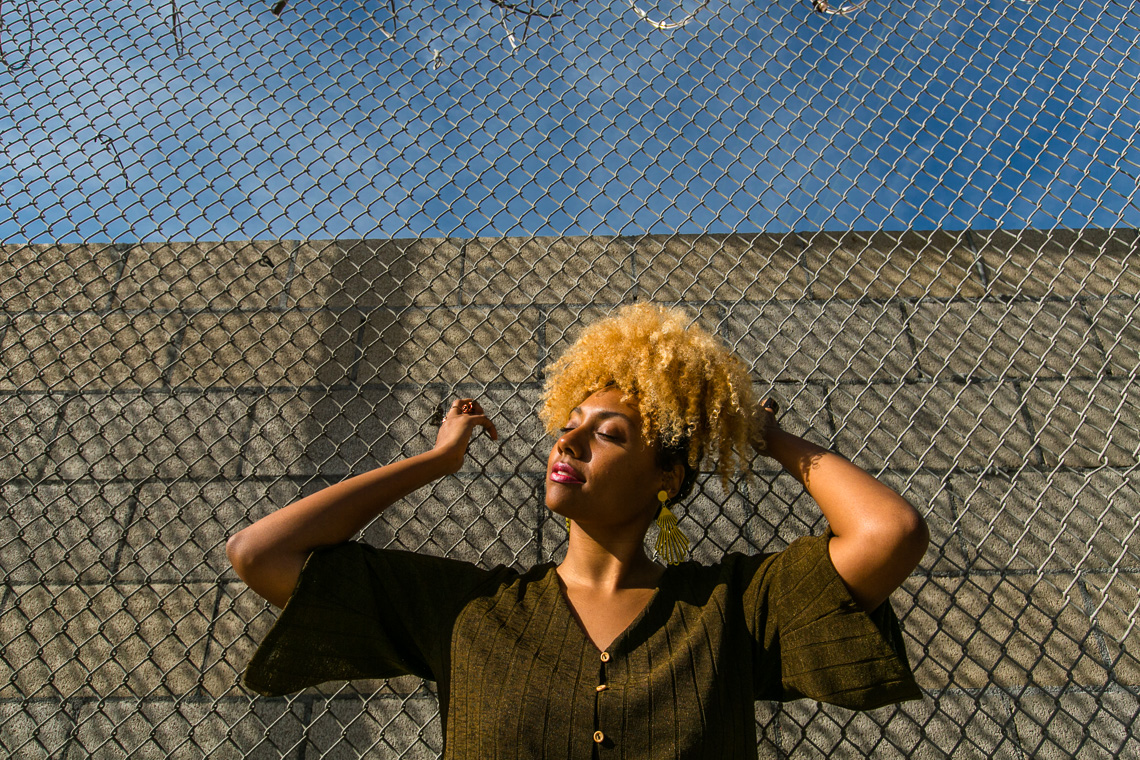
(674, 477)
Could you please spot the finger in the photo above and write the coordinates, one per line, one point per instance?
(771, 405)
(484, 422)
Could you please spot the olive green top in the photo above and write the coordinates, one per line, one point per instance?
(519, 678)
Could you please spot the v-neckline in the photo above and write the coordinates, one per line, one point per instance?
(568, 609)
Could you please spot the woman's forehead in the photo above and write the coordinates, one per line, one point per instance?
(610, 400)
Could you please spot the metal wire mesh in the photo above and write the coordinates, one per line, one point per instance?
(421, 201)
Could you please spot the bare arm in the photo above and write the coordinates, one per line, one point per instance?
(879, 537)
(270, 554)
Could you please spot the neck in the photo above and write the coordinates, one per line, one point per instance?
(608, 563)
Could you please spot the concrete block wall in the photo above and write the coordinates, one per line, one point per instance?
(156, 397)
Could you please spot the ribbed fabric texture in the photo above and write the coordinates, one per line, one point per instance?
(519, 678)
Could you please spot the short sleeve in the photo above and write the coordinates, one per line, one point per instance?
(362, 612)
(814, 640)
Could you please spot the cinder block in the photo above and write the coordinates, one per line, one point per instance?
(163, 435)
(465, 345)
(950, 725)
(476, 518)
(52, 277)
(34, 729)
(830, 341)
(363, 274)
(803, 411)
(1084, 422)
(178, 532)
(931, 425)
(763, 514)
(563, 325)
(1077, 724)
(193, 276)
(973, 631)
(337, 433)
(86, 351)
(1064, 263)
(722, 267)
(190, 728)
(1114, 598)
(58, 532)
(546, 270)
(347, 729)
(1116, 323)
(267, 349)
(105, 640)
(1034, 521)
(989, 340)
(890, 265)
(27, 427)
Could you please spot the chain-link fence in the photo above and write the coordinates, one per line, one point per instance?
(438, 197)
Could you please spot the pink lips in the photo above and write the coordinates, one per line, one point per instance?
(564, 473)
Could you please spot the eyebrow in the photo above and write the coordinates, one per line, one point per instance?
(605, 415)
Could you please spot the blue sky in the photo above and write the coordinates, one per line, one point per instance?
(340, 120)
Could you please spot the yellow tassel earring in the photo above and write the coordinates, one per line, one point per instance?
(672, 545)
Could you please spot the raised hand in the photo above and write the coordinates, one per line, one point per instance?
(457, 427)
(764, 423)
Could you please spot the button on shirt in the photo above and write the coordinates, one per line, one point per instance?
(519, 678)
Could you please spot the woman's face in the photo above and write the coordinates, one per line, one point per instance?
(601, 471)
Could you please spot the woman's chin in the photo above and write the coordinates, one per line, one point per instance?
(556, 505)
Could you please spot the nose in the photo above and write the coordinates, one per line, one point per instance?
(569, 443)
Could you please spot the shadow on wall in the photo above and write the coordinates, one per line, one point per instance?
(393, 339)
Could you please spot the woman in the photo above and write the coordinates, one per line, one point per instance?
(607, 654)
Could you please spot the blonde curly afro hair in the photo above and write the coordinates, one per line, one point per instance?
(689, 387)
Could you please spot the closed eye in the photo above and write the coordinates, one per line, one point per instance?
(607, 436)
